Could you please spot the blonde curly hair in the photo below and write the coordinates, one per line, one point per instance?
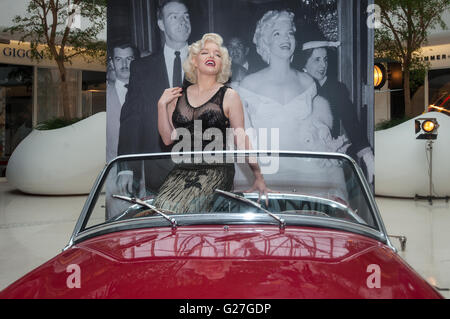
(195, 48)
(265, 24)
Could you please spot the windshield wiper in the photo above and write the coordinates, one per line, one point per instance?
(135, 200)
(281, 221)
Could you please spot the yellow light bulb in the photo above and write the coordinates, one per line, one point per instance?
(428, 126)
(377, 75)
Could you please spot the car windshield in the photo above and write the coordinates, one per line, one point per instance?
(174, 187)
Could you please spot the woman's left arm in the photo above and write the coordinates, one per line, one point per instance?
(233, 109)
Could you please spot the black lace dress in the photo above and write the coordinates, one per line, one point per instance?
(190, 187)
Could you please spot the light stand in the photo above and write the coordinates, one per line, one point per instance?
(429, 135)
(429, 149)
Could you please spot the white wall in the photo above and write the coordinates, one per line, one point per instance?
(438, 50)
(382, 104)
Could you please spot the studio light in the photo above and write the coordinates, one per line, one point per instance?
(379, 76)
(426, 128)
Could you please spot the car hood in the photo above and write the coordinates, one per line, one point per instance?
(225, 262)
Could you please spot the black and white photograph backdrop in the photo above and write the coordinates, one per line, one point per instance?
(327, 42)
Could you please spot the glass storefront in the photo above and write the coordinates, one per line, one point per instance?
(438, 84)
(49, 97)
(31, 93)
(16, 104)
(91, 100)
(93, 93)
(20, 110)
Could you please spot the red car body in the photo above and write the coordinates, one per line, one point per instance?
(236, 261)
(308, 246)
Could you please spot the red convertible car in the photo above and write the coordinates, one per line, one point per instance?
(317, 235)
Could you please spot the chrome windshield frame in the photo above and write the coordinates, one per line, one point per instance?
(78, 235)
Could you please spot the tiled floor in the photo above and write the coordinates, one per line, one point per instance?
(32, 229)
(427, 230)
(35, 228)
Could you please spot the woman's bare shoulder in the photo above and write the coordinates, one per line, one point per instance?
(231, 96)
(252, 81)
(232, 103)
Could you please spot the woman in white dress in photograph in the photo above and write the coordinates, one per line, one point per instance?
(282, 98)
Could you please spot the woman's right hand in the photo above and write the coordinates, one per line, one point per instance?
(169, 95)
(125, 184)
(166, 105)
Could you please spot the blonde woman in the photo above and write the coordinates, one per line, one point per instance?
(282, 99)
(279, 96)
(190, 187)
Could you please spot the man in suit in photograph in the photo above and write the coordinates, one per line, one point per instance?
(238, 50)
(120, 61)
(150, 76)
(121, 56)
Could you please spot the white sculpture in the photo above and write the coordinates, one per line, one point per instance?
(63, 161)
